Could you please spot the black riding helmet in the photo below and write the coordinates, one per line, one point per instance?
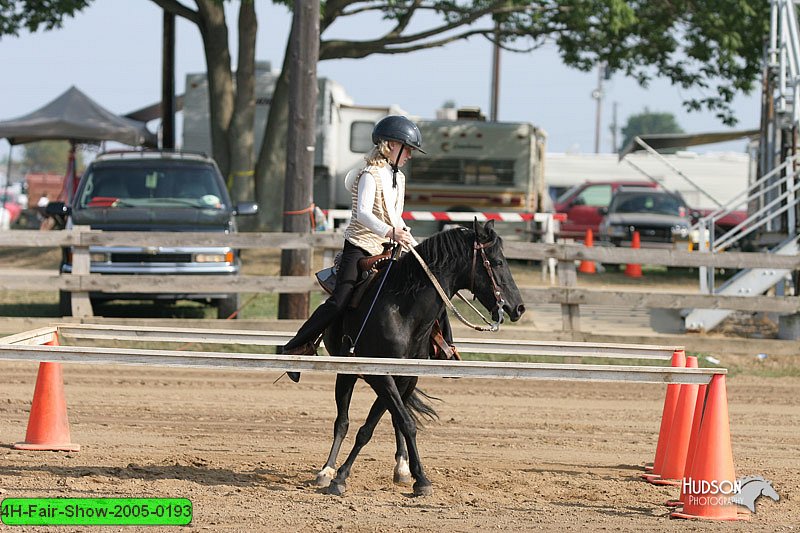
(400, 129)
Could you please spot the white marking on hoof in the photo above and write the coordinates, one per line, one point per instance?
(402, 474)
(325, 476)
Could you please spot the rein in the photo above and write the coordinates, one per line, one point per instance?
(492, 326)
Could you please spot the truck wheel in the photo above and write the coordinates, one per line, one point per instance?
(65, 303)
(227, 306)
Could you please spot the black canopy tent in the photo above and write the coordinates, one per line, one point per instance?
(76, 118)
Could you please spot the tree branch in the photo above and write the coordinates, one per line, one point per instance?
(178, 9)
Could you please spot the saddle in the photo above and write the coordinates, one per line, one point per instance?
(369, 267)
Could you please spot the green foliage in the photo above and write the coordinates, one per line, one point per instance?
(649, 122)
(16, 15)
(712, 47)
(48, 157)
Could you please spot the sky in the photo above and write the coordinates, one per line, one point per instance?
(112, 52)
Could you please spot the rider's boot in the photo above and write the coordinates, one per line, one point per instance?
(304, 349)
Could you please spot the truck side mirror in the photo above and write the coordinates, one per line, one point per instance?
(602, 210)
(245, 209)
(57, 209)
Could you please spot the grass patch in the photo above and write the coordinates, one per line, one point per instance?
(778, 366)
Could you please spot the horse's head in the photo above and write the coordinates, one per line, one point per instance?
(491, 279)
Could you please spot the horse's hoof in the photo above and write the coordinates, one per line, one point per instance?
(336, 489)
(402, 479)
(423, 489)
(324, 477)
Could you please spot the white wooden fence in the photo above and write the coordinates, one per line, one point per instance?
(571, 297)
(30, 346)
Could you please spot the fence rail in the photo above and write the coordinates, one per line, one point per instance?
(28, 346)
(567, 294)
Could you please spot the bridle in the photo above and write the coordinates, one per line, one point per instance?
(487, 265)
(477, 246)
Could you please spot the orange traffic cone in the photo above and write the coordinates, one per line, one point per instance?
(48, 426)
(680, 433)
(634, 270)
(698, 416)
(671, 399)
(587, 267)
(709, 485)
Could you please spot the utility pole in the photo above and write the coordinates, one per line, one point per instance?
(597, 94)
(495, 89)
(168, 83)
(614, 128)
(300, 143)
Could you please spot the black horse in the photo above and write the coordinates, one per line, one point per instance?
(400, 327)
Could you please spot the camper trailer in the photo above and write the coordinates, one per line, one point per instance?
(470, 165)
(473, 165)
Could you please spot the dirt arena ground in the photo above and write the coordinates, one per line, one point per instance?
(504, 455)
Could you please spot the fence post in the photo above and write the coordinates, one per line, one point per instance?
(81, 305)
(570, 313)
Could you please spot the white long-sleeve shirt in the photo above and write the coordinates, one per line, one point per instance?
(394, 198)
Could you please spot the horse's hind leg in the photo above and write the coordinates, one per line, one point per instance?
(402, 473)
(338, 484)
(345, 383)
(386, 389)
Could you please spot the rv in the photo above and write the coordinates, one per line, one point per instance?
(473, 165)
(470, 165)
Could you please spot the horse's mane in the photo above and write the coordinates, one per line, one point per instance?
(441, 252)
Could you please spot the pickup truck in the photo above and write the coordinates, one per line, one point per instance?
(584, 206)
(156, 191)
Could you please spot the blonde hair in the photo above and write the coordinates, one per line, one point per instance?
(379, 155)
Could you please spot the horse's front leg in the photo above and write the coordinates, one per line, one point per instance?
(345, 383)
(386, 389)
(338, 484)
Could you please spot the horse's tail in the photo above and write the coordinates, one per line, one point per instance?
(419, 407)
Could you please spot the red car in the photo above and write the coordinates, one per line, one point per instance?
(8, 200)
(582, 205)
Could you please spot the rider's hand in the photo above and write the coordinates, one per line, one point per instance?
(401, 235)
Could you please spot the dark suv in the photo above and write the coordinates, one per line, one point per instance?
(156, 191)
(661, 218)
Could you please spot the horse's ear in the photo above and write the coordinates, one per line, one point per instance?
(475, 226)
(489, 226)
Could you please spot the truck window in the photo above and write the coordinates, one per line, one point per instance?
(361, 137)
(488, 172)
(141, 184)
(595, 196)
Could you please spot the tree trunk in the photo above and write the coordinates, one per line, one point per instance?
(240, 133)
(300, 145)
(220, 81)
(270, 173)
